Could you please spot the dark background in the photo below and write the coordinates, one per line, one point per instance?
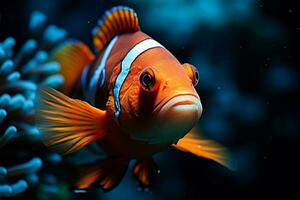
(247, 53)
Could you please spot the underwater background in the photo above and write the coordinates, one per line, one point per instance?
(247, 54)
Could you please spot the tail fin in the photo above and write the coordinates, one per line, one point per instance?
(68, 124)
(73, 57)
(201, 147)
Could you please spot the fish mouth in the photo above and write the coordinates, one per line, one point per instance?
(173, 118)
(180, 102)
(177, 116)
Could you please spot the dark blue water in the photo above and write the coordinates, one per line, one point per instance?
(247, 54)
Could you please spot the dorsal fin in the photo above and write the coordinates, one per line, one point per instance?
(118, 20)
(73, 56)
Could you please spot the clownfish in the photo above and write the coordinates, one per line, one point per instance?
(133, 98)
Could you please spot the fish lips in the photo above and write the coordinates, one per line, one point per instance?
(178, 116)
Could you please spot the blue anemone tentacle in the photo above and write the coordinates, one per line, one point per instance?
(21, 73)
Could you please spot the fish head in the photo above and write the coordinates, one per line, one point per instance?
(161, 104)
(178, 106)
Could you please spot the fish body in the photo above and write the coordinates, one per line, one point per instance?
(134, 98)
(136, 105)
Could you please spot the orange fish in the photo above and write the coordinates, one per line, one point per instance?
(137, 100)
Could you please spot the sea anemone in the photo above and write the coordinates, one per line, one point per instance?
(21, 73)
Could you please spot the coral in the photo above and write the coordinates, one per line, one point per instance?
(21, 74)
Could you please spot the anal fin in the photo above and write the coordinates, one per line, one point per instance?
(106, 174)
(145, 171)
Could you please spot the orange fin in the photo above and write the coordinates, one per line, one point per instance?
(68, 124)
(209, 149)
(106, 174)
(118, 20)
(145, 171)
(73, 57)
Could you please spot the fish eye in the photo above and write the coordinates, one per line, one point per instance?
(196, 77)
(147, 79)
(192, 72)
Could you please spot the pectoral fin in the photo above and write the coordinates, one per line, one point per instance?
(68, 124)
(201, 147)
